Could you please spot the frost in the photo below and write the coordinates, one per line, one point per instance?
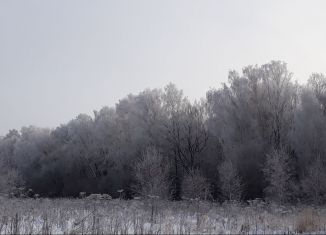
(63, 216)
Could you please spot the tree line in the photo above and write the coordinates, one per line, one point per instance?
(260, 135)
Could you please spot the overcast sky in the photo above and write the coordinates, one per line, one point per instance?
(62, 58)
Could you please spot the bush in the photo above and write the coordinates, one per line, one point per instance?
(195, 186)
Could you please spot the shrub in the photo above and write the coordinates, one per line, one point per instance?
(195, 186)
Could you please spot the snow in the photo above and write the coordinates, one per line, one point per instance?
(62, 216)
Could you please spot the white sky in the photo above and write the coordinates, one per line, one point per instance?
(61, 58)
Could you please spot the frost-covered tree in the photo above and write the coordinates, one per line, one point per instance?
(317, 82)
(173, 103)
(279, 101)
(251, 114)
(185, 132)
(260, 127)
(139, 121)
(314, 181)
(279, 175)
(232, 121)
(230, 182)
(309, 138)
(9, 174)
(33, 156)
(151, 174)
(9, 179)
(309, 135)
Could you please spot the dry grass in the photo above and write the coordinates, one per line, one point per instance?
(308, 221)
(77, 216)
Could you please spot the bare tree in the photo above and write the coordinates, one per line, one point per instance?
(186, 133)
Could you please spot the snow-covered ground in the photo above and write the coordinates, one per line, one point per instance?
(45, 216)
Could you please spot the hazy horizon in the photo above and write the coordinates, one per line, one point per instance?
(62, 58)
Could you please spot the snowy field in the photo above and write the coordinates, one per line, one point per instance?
(77, 216)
